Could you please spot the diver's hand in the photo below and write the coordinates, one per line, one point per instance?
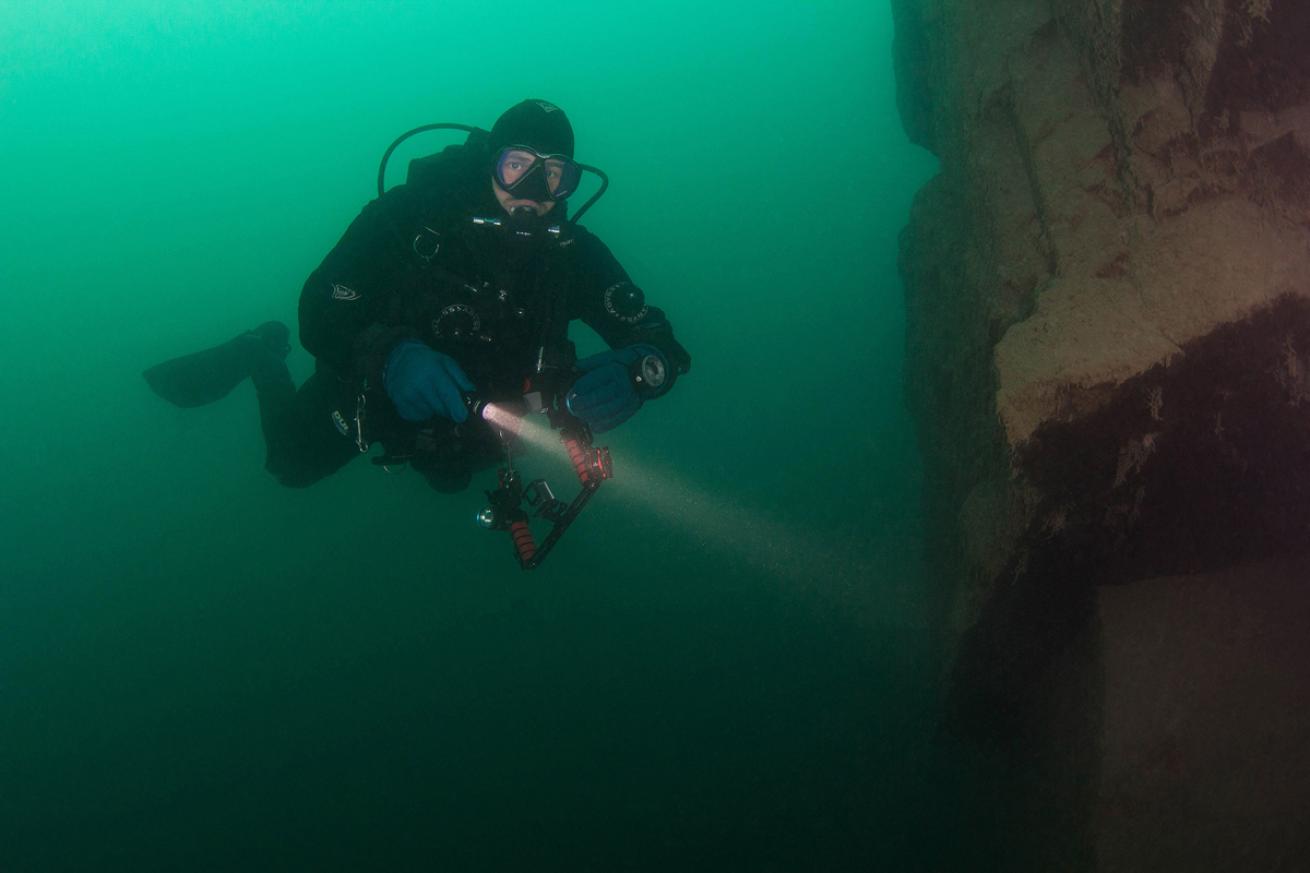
(423, 382)
(604, 396)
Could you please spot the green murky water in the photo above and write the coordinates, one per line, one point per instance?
(722, 667)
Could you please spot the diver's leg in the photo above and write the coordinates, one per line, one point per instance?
(210, 374)
(303, 444)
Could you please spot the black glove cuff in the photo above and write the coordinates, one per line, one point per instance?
(373, 347)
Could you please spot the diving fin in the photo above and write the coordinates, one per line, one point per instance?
(205, 376)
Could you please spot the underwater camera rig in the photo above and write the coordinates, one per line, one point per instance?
(513, 502)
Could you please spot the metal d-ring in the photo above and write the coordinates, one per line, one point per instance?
(425, 239)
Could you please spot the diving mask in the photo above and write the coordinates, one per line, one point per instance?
(529, 175)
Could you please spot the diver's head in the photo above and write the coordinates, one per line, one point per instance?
(532, 167)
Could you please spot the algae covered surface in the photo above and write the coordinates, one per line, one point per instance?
(723, 666)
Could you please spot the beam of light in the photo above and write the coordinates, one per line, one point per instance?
(821, 562)
(531, 429)
(829, 567)
(725, 525)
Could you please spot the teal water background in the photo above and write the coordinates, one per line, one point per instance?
(724, 666)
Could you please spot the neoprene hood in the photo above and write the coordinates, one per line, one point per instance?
(538, 124)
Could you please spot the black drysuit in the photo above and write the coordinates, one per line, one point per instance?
(415, 265)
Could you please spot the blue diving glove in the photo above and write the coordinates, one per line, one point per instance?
(423, 382)
(605, 396)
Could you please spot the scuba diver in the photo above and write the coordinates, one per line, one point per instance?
(449, 292)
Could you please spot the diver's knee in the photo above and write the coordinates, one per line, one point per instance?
(290, 476)
(295, 482)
